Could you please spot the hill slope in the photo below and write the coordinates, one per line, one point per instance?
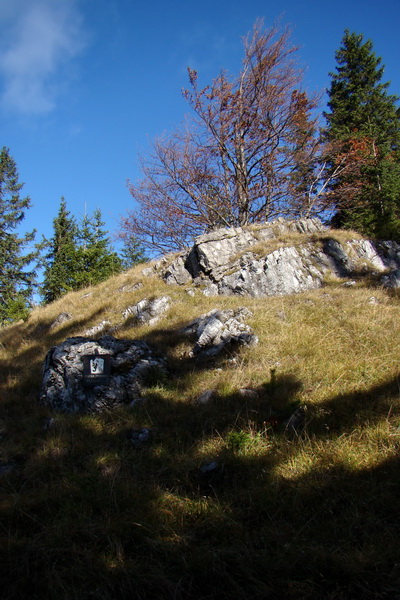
(283, 485)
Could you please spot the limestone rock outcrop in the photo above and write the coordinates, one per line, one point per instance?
(237, 261)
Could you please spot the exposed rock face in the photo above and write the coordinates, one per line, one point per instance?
(177, 272)
(64, 387)
(223, 262)
(130, 287)
(99, 328)
(392, 280)
(220, 329)
(284, 271)
(62, 318)
(148, 311)
(140, 438)
(217, 249)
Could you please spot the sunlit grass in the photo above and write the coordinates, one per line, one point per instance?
(306, 513)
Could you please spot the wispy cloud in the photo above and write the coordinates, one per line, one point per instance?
(39, 38)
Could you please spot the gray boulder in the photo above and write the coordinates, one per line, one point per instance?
(62, 318)
(177, 273)
(392, 280)
(65, 387)
(285, 271)
(130, 287)
(148, 311)
(216, 251)
(220, 329)
(99, 328)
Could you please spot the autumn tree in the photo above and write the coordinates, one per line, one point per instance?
(234, 160)
(363, 135)
(16, 277)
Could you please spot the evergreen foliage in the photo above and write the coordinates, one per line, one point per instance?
(132, 252)
(363, 134)
(16, 280)
(78, 255)
(95, 257)
(60, 261)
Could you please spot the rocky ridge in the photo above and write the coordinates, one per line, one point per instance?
(237, 261)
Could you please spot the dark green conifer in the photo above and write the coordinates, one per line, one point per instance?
(78, 255)
(61, 262)
(363, 134)
(132, 252)
(16, 280)
(96, 259)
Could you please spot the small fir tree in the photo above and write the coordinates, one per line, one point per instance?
(16, 280)
(96, 258)
(132, 252)
(61, 260)
(78, 255)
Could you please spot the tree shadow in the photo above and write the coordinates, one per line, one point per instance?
(87, 514)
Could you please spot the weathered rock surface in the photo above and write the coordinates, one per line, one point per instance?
(205, 398)
(62, 318)
(140, 437)
(130, 287)
(220, 329)
(148, 311)
(64, 388)
(222, 262)
(177, 273)
(284, 271)
(392, 280)
(99, 328)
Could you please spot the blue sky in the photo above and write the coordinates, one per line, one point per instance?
(84, 84)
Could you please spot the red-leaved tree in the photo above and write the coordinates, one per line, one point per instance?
(246, 154)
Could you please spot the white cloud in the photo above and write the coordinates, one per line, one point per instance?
(38, 40)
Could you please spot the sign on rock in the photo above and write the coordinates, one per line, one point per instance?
(96, 369)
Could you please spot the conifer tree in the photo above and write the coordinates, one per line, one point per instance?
(61, 260)
(132, 252)
(363, 135)
(96, 259)
(78, 255)
(16, 280)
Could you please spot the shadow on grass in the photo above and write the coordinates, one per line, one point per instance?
(86, 514)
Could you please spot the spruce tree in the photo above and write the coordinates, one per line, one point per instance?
(16, 280)
(363, 135)
(61, 261)
(96, 259)
(79, 254)
(132, 252)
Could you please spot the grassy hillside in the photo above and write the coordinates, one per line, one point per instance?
(296, 515)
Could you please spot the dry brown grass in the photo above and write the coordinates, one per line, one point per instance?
(312, 514)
